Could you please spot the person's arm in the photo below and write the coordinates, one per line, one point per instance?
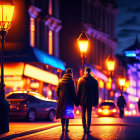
(78, 92)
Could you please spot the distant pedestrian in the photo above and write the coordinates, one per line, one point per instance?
(87, 96)
(139, 105)
(121, 105)
(66, 98)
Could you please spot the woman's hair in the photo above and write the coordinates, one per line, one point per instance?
(68, 70)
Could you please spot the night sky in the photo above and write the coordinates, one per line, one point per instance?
(128, 23)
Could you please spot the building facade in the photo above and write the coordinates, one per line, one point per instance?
(97, 18)
(32, 48)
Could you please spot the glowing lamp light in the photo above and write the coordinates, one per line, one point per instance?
(134, 112)
(6, 14)
(136, 99)
(50, 93)
(121, 81)
(77, 112)
(83, 42)
(110, 63)
(126, 113)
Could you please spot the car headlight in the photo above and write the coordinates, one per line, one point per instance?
(114, 110)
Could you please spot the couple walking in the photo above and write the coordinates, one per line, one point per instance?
(86, 97)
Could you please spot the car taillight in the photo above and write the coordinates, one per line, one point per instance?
(99, 110)
(114, 110)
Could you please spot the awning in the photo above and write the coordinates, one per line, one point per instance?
(29, 54)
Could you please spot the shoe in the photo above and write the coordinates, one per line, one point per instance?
(67, 130)
(88, 131)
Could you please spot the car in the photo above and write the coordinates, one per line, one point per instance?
(107, 108)
(31, 105)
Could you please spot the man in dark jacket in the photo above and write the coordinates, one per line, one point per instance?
(87, 96)
(121, 104)
(66, 98)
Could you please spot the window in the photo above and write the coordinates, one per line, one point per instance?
(32, 32)
(50, 42)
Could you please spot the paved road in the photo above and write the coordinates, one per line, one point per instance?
(102, 129)
(98, 132)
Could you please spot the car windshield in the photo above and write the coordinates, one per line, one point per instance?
(107, 104)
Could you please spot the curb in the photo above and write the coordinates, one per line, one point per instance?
(12, 136)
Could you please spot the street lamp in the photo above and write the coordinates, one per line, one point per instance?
(122, 83)
(110, 61)
(83, 45)
(6, 14)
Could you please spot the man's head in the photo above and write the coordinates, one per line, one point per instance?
(87, 70)
(69, 71)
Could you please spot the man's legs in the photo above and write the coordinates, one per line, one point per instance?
(89, 110)
(83, 108)
(67, 124)
(62, 123)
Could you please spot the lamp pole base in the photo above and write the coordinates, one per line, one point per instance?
(4, 112)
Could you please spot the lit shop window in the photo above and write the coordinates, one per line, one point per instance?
(50, 43)
(32, 32)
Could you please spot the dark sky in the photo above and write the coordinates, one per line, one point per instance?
(128, 23)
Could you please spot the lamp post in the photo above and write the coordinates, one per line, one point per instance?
(122, 83)
(110, 61)
(83, 45)
(6, 13)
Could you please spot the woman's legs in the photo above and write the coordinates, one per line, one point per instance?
(63, 123)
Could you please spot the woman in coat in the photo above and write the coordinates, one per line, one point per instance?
(66, 98)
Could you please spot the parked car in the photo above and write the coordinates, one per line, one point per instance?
(31, 105)
(107, 108)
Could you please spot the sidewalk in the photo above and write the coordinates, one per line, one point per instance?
(24, 128)
(18, 130)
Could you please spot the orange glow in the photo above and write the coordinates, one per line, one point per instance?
(14, 84)
(50, 93)
(50, 43)
(136, 99)
(110, 63)
(32, 32)
(83, 42)
(114, 110)
(101, 84)
(34, 85)
(13, 69)
(127, 84)
(111, 93)
(6, 14)
(83, 46)
(121, 81)
(126, 113)
(131, 106)
(99, 110)
(105, 111)
(77, 112)
(108, 85)
(41, 75)
(134, 112)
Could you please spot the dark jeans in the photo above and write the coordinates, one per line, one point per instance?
(64, 122)
(87, 109)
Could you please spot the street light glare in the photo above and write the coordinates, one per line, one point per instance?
(83, 44)
(121, 81)
(6, 14)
